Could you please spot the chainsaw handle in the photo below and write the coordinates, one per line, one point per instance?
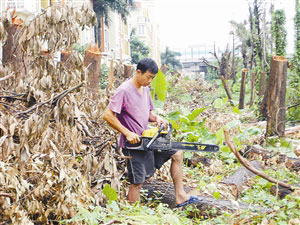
(156, 135)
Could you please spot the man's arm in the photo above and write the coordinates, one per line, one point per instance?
(155, 118)
(111, 118)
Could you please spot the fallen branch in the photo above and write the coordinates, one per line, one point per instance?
(6, 77)
(56, 98)
(6, 195)
(249, 166)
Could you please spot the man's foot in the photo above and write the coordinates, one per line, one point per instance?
(193, 199)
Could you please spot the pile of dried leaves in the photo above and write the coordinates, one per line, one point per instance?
(55, 151)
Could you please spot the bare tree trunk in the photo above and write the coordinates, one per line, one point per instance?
(227, 89)
(262, 84)
(252, 88)
(243, 88)
(92, 61)
(276, 112)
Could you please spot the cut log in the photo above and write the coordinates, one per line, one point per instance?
(280, 192)
(196, 159)
(92, 61)
(240, 178)
(252, 152)
(276, 111)
(243, 88)
(166, 193)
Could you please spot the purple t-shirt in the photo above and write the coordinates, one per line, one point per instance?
(132, 108)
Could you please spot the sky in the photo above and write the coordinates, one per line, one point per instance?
(185, 23)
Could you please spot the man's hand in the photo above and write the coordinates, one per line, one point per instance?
(133, 138)
(160, 121)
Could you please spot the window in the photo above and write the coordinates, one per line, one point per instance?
(141, 30)
(15, 4)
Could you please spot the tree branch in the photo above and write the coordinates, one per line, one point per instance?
(249, 166)
(56, 98)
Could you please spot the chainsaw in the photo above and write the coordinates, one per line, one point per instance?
(160, 140)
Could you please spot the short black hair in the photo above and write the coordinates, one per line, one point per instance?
(147, 64)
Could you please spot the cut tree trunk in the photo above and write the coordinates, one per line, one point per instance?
(276, 111)
(12, 52)
(252, 89)
(166, 193)
(243, 88)
(240, 178)
(92, 62)
(262, 84)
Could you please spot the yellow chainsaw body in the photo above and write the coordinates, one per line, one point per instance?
(151, 132)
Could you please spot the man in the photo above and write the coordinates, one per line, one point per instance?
(129, 111)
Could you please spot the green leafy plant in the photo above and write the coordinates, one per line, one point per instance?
(104, 76)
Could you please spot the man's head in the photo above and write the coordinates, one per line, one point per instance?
(147, 64)
(146, 70)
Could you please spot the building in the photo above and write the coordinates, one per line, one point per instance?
(191, 59)
(143, 20)
(33, 7)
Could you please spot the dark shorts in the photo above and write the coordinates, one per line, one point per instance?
(142, 165)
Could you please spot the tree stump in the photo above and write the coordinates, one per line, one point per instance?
(12, 52)
(276, 111)
(243, 88)
(92, 61)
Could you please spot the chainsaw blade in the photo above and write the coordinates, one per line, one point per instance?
(194, 147)
(162, 144)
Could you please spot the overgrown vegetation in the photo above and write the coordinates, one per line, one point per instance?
(138, 49)
(60, 163)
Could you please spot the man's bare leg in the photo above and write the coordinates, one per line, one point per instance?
(177, 176)
(134, 193)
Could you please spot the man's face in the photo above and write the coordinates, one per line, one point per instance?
(146, 78)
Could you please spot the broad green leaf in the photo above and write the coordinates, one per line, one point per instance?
(110, 193)
(216, 195)
(220, 136)
(291, 205)
(159, 85)
(225, 100)
(236, 110)
(175, 115)
(185, 111)
(195, 113)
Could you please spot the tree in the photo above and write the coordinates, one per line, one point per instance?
(169, 58)
(244, 36)
(138, 49)
(102, 8)
(279, 32)
(296, 59)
